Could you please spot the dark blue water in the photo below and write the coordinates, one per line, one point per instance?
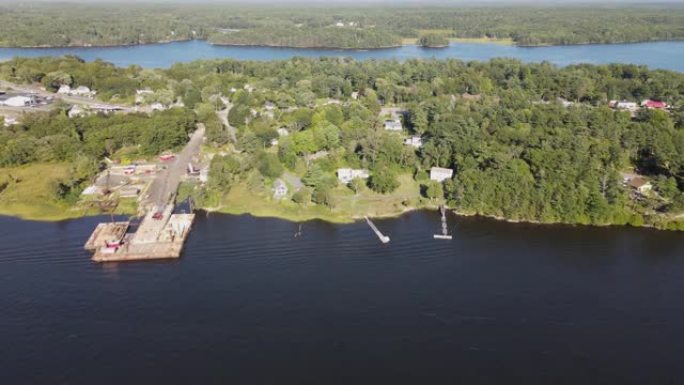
(662, 55)
(249, 304)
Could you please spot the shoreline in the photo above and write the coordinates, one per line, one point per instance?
(307, 215)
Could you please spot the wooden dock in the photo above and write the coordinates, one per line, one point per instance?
(383, 238)
(445, 229)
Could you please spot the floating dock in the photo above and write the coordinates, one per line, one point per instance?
(445, 230)
(383, 238)
(158, 237)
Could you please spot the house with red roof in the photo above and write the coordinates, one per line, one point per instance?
(654, 104)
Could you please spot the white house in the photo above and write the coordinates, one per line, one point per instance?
(414, 141)
(249, 88)
(157, 107)
(339, 24)
(355, 95)
(393, 125)
(279, 189)
(75, 111)
(283, 131)
(140, 95)
(346, 175)
(640, 184)
(64, 90)
(440, 174)
(623, 105)
(269, 106)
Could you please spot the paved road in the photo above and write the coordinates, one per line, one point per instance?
(166, 183)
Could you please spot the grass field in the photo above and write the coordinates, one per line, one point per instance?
(27, 193)
(346, 206)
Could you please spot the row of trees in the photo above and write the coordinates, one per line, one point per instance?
(300, 26)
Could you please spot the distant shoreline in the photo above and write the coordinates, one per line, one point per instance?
(405, 42)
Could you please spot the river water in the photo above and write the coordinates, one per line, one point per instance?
(661, 55)
(250, 304)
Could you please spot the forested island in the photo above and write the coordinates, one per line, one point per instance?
(525, 142)
(361, 27)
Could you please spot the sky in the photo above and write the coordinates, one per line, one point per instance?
(365, 2)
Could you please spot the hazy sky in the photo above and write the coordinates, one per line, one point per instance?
(365, 2)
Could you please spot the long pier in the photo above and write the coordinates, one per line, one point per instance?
(445, 229)
(383, 238)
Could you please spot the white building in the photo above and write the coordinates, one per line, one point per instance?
(157, 107)
(269, 106)
(355, 95)
(75, 111)
(64, 90)
(18, 101)
(623, 105)
(640, 184)
(414, 141)
(78, 91)
(393, 125)
(440, 174)
(346, 175)
(279, 189)
(283, 132)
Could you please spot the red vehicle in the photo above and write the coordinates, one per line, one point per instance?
(167, 157)
(158, 215)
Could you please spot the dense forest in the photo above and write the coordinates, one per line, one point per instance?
(527, 141)
(76, 24)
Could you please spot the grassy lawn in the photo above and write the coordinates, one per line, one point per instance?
(347, 206)
(29, 194)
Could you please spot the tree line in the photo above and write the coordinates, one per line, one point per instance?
(312, 26)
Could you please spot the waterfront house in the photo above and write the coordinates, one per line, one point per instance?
(393, 125)
(279, 189)
(440, 174)
(346, 175)
(640, 184)
(654, 104)
(414, 141)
